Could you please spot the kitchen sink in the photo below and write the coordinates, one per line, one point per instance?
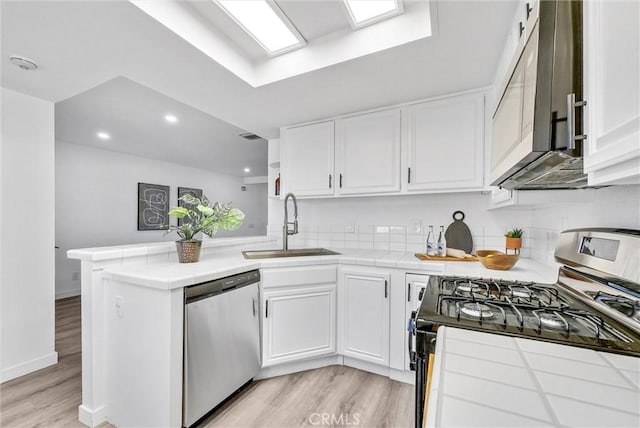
(302, 252)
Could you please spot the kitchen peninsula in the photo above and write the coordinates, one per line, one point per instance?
(132, 316)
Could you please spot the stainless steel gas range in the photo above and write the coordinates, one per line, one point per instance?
(594, 304)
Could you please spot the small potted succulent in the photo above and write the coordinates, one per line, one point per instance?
(514, 240)
(199, 215)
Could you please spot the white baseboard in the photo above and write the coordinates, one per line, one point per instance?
(67, 293)
(403, 376)
(298, 366)
(91, 418)
(28, 367)
(367, 366)
(316, 363)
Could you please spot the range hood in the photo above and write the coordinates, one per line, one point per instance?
(536, 125)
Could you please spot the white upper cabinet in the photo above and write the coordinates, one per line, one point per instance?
(444, 144)
(612, 91)
(307, 159)
(368, 153)
(433, 146)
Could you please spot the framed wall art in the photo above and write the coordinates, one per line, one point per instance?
(153, 207)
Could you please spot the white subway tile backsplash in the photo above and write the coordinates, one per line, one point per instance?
(415, 239)
(365, 228)
(381, 229)
(396, 239)
(397, 230)
(415, 248)
(351, 237)
(381, 245)
(337, 236)
(324, 228)
(397, 247)
(367, 237)
(365, 245)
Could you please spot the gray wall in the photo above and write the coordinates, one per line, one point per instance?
(96, 202)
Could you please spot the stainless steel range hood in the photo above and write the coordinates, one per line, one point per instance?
(535, 143)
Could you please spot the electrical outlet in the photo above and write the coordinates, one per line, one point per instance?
(120, 306)
(415, 226)
(75, 276)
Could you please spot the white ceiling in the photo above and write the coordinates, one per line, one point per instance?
(133, 116)
(80, 45)
(207, 27)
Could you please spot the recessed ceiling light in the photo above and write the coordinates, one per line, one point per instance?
(366, 12)
(247, 169)
(23, 63)
(171, 118)
(103, 136)
(265, 22)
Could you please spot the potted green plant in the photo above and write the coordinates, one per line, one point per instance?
(199, 215)
(514, 240)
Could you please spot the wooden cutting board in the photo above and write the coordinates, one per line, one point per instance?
(468, 258)
(458, 234)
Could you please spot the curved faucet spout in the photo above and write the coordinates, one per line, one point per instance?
(285, 229)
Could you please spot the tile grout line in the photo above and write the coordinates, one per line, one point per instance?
(541, 394)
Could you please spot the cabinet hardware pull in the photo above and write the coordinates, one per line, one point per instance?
(266, 311)
(330, 181)
(409, 292)
(521, 28)
(409, 175)
(386, 294)
(529, 10)
(341, 181)
(253, 307)
(572, 104)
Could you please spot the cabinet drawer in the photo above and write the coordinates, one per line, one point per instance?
(286, 277)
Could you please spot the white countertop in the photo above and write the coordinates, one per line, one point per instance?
(150, 248)
(171, 274)
(483, 379)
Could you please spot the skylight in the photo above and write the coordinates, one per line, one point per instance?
(366, 12)
(265, 22)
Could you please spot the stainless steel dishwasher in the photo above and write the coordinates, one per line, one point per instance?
(221, 341)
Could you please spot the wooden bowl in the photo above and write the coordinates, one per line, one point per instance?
(497, 260)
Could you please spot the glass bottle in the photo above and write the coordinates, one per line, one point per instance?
(277, 192)
(431, 243)
(442, 243)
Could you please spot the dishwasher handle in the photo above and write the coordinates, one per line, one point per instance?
(204, 290)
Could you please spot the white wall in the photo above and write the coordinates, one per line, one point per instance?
(96, 201)
(27, 235)
(616, 206)
(386, 223)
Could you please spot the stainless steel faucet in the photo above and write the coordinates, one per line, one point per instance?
(285, 229)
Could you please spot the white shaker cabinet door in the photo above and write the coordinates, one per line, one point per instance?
(444, 144)
(298, 323)
(612, 91)
(308, 158)
(368, 153)
(365, 320)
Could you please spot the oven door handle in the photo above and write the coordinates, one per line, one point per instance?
(411, 332)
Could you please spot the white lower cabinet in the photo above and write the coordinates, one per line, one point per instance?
(298, 314)
(364, 305)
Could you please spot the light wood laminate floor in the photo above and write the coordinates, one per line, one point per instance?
(330, 396)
